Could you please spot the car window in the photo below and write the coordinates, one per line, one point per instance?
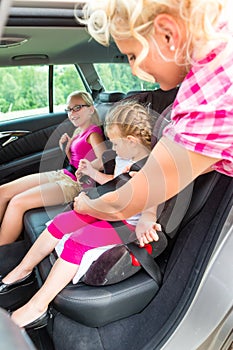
(24, 89)
(118, 77)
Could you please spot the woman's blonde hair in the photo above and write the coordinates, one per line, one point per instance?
(123, 19)
(133, 119)
(87, 98)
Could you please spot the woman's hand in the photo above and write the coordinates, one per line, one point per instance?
(82, 203)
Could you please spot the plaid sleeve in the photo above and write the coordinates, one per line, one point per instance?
(202, 116)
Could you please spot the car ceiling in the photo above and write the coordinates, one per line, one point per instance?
(53, 36)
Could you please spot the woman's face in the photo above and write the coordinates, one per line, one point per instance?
(79, 112)
(167, 74)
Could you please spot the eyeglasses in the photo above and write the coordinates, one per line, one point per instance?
(75, 108)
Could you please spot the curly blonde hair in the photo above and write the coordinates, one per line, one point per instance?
(133, 119)
(123, 19)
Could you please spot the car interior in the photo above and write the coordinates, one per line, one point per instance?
(138, 312)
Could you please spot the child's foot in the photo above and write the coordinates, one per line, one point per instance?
(29, 317)
(6, 287)
(16, 275)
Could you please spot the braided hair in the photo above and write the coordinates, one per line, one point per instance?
(132, 118)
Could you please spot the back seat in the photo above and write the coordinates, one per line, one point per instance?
(98, 306)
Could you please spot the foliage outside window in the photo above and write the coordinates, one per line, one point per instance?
(66, 80)
(24, 89)
(118, 77)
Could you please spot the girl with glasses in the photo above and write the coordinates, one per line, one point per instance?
(54, 187)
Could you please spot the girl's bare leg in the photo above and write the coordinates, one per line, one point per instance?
(11, 189)
(12, 224)
(42, 247)
(60, 275)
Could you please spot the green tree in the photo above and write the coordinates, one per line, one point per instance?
(118, 77)
(8, 93)
(66, 80)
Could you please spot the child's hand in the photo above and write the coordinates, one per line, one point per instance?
(126, 169)
(84, 168)
(146, 231)
(78, 172)
(65, 138)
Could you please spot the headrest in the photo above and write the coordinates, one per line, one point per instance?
(135, 92)
(157, 100)
(110, 96)
(162, 121)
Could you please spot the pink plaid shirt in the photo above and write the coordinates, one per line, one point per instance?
(202, 115)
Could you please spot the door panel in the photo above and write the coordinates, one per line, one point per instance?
(35, 151)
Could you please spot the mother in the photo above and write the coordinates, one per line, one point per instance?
(171, 42)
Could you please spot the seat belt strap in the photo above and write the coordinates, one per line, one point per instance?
(145, 259)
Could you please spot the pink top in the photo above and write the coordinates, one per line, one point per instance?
(80, 148)
(202, 115)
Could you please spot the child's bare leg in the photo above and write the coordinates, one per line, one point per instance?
(12, 223)
(44, 245)
(60, 275)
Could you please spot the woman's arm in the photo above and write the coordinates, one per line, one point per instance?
(169, 169)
